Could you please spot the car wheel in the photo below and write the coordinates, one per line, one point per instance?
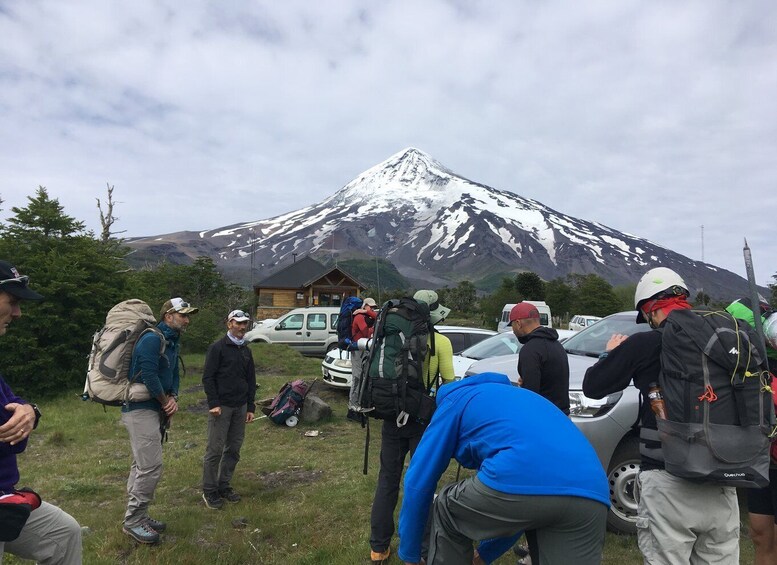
(622, 479)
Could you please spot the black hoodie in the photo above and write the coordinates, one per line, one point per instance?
(544, 367)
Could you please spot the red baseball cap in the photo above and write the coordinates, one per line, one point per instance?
(523, 311)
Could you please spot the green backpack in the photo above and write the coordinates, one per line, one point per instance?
(396, 388)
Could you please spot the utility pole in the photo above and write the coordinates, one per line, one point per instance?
(253, 290)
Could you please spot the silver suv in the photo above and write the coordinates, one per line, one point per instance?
(311, 331)
(609, 423)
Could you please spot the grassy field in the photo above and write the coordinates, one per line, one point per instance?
(305, 499)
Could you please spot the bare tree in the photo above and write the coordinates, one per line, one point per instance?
(107, 218)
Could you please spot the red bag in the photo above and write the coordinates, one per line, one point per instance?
(15, 508)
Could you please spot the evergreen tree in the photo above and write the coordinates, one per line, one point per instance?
(80, 277)
(559, 296)
(594, 296)
(530, 286)
(491, 306)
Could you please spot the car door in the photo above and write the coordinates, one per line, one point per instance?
(289, 331)
(315, 333)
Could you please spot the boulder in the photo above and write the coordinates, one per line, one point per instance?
(315, 409)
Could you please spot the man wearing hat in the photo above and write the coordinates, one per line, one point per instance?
(229, 379)
(396, 442)
(155, 364)
(29, 528)
(543, 366)
(362, 327)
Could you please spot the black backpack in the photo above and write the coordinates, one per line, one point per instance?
(718, 401)
(396, 388)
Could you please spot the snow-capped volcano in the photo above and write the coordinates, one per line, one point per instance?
(437, 226)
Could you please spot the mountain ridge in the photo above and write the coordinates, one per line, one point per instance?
(438, 228)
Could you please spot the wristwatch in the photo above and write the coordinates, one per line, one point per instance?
(37, 415)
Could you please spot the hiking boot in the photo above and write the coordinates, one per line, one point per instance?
(380, 557)
(155, 525)
(229, 495)
(141, 533)
(212, 500)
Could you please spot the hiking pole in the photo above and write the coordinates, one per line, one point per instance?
(755, 300)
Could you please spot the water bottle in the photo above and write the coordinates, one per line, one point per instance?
(657, 401)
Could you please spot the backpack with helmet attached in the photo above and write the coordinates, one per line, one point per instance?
(718, 400)
(107, 378)
(345, 322)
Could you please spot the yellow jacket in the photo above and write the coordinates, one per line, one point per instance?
(442, 359)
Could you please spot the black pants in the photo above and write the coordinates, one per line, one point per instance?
(395, 444)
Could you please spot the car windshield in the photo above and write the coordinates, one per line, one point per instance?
(592, 340)
(500, 344)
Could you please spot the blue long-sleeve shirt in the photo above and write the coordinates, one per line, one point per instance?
(519, 443)
(159, 374)
(9, 471)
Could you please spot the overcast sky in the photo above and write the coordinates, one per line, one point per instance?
(653, 118)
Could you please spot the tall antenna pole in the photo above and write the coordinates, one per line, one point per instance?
(377, 276)
(702, 243)
(253, 290)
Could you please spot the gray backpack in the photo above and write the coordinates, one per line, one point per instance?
(719, 405)
(107, 377)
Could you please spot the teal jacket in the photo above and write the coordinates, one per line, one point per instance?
(158, 373)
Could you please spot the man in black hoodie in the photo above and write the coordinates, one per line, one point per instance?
(543, 366)
(229, 379)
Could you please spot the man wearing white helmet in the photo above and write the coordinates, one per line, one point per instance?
(678, 521)
(396, 442)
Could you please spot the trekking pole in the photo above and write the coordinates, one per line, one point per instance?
(755, 300)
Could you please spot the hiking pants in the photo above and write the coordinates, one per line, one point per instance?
(680, 521)
(51, 536)
(560, 529)
(395, 444)
(357, 377)
(144, 427)
(225, 438)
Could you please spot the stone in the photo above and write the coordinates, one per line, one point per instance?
(315, 409)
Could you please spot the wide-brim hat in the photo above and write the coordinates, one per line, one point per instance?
(437, 311)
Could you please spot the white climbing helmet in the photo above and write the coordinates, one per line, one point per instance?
(657, 281)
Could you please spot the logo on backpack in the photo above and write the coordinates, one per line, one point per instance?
(107, 377)
(345, 323)
(395, 388)
(718, 400)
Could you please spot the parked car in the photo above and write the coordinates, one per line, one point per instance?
(336, 367)
(607, 423)
(580, 322)
(545, 318)
(311, 331)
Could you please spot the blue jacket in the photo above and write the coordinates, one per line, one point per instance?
(159, 374)
(9, 471)
(519, 443)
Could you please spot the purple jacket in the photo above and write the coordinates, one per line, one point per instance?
(9, 472)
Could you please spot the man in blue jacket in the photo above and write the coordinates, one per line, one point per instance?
(535, 472)
(147, 421)
(29, 528)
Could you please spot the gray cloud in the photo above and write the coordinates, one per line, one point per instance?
(652, 118)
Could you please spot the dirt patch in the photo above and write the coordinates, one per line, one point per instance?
(195, 388)
(201, 407)
(284, 479)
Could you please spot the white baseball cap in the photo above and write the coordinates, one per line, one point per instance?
(238, 316)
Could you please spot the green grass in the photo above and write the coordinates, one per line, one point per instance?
(305, 499)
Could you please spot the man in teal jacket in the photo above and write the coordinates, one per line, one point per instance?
(146, 421)
(535, 472)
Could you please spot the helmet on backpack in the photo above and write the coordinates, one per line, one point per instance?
(770, 330)
(437, 311)
(657, 283)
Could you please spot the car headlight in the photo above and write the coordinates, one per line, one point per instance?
(581, 405)
(345, 363)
